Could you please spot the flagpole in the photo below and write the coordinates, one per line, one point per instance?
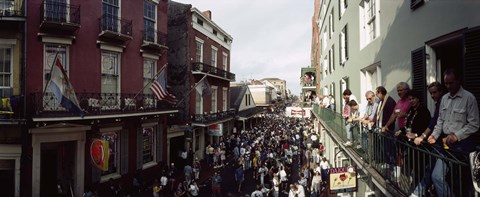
(190, 91)
(150, 82)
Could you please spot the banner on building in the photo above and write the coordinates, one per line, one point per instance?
(297, 112)
(343, 179)
(99, 153)
(215, 130)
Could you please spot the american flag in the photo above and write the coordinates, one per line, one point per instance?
(159, 88)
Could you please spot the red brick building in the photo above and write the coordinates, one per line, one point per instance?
(199, 50)
(110, 50)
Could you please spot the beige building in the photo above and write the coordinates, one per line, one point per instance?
(280, 86)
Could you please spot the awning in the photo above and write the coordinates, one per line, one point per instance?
(248, 113)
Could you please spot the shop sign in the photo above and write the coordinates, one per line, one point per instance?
(99, 154)
(215, 130)
(343, 179)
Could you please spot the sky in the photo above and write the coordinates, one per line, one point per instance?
(271, 38)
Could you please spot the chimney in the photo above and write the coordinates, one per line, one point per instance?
(208, 14)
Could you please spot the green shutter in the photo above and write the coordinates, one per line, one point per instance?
(419, 80)
(472, 62)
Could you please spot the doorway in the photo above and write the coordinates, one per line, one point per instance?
(7, 177)
(57, 168)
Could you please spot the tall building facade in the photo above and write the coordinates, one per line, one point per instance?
(109, 55)
(369, 43)
(200, 53)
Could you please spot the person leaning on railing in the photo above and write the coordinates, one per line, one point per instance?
(437, 90)
(458, 120)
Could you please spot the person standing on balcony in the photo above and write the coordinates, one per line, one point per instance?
(347, 97)
(437, 90)
(457, 121)
(386, 107)
(352, 121)
(368, 119)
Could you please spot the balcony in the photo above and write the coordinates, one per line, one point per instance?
(59, 18)
(202, 68)
(97, 104)
(10, 10)
(415, 162)
(11, 110)
(208, 118)
(154, 41)
(308, 78)
(114, 29)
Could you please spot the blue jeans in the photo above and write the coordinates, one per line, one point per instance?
(348, 129)
(438, 177)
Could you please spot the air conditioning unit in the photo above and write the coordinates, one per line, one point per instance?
(6, 92)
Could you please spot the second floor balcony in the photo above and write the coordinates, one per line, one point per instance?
(395, 162)
(59, 18)
(202, 68)
(115, 29)
(208, 118)
(98, 104)
(11, 107)
(154, 41)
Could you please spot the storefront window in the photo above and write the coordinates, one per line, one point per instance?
(114, 150)
(148, 145)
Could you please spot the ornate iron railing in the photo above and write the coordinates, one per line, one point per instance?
(398, 160)
(115, 24)
(97, 104)
(205, 68)
(212, 117)
(154, 36)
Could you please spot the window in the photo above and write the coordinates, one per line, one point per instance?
(214, 56)
(54, 9)
(214, 99)
(343, 45)
(148, 145)
(225, 61)
(331, 60)
(224, 99)
(198, 50)
(343, 4)
(149, 21)
(110, 80)
(325, 65)
(6, 60)
(330, 25)
(324, 40)
(110, 15)
(51, 51)
(246, 99)
(214, 32)
(368, 22)
(149, 71)
(199, 21)
(112, 137)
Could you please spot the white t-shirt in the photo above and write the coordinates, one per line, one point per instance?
(283, 175)
(324, 165)
(163, 181)
(276, 185)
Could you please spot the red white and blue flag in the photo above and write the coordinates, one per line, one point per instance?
(159, 88)
(62, 88)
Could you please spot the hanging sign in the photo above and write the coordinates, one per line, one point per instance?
(343, 179)
(99, 153)
(215, 130)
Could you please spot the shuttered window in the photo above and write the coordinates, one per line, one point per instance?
(472, 62)
(419, 80)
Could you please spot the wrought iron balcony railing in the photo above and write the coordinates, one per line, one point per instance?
(398, 160)
(115, 24)
(205, 68)
(51, 11)
(97, 104)
(154, 36)
(212, 117)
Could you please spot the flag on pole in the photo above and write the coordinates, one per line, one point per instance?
(62, 88)
(159, 88)
(203, 87)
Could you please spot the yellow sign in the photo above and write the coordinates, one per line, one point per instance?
(343, 179)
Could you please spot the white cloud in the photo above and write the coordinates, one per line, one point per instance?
(271, 38)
